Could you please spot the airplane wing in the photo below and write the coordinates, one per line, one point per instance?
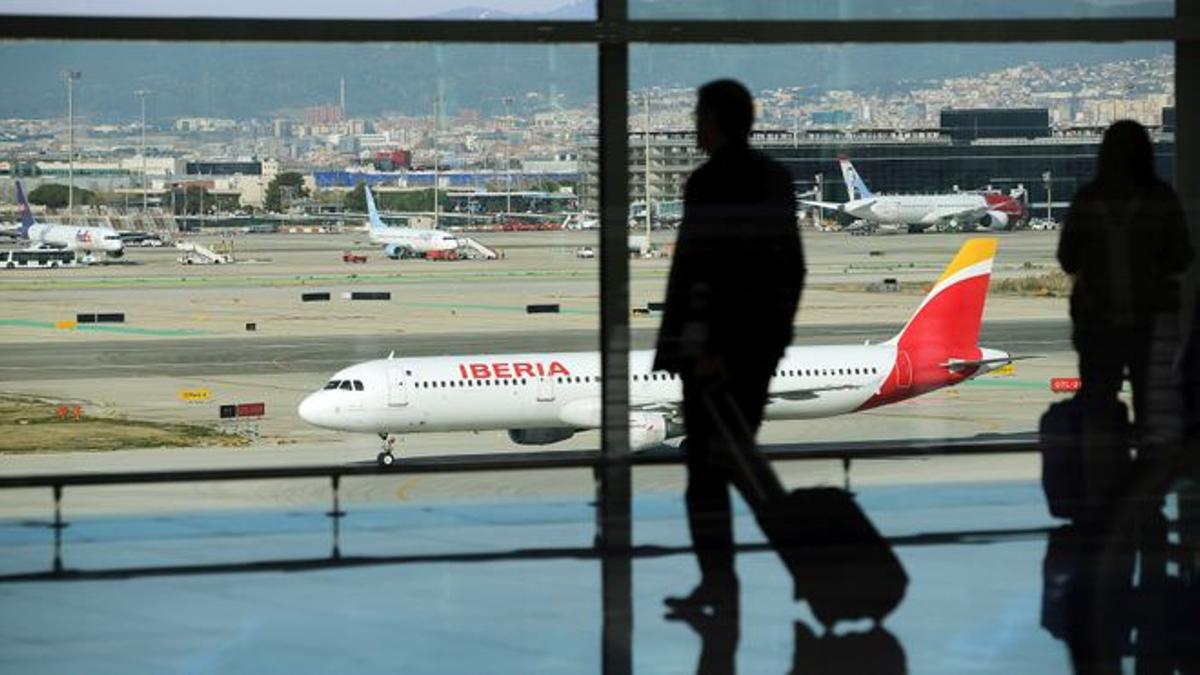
(835, 206)
(808, 393)
(672, 409)
(939, 215)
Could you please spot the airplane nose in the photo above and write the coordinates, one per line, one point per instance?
(310, 409)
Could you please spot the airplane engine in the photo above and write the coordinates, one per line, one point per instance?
(647, 430)
(996, 220)
(395, 251)
(539, 436)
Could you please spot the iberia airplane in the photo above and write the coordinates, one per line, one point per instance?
(546, 398)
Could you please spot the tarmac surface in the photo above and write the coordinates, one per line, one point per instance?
(199, 356)
(185, 329)
(483, 572)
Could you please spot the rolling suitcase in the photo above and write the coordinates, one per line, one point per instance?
(1060, 440)
(838, 561)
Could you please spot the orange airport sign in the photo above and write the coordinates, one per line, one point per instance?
(1064, 385)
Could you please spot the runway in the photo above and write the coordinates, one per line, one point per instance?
(203, 356)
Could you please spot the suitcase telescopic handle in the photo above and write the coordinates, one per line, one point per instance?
(766, 485)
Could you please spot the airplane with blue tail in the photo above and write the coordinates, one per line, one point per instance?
(400, 242)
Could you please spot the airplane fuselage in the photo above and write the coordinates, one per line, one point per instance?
(414, 239)
(562, 390)
(76, 238)
(919, 209)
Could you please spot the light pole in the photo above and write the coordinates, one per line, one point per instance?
(646, 151)
(508, 101)
(71, 76)
(141, 94)
(1049, 201)
(437, 160)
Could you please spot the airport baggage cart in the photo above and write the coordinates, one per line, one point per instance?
(1065, 465)
(838, 561)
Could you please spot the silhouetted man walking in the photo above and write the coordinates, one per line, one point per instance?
(731, 297)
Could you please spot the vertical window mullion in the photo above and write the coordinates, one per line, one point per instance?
(613, 498)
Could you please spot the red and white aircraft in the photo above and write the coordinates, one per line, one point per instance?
(993, 210)
(548, 397)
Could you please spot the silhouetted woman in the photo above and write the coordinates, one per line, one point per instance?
(1126, 243)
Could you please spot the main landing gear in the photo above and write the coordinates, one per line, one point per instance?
(386, 458)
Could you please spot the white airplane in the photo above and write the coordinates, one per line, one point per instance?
(398, 241)
(545, 398)
(992, 210)
(88, 239)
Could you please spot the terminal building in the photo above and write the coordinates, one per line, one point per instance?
(970, 150)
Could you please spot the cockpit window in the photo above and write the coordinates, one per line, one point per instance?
(358, 385)
(347, 385)
(333, 384)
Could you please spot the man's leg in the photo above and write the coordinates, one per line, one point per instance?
(709, 511)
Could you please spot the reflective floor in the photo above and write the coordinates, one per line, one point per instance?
(510, 587)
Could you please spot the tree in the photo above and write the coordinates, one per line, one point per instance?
(54, 196)
(356, 199)
(409, 200)
(289, 184)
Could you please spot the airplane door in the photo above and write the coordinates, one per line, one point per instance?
(903, 370)
(545, 389)
(397, 393)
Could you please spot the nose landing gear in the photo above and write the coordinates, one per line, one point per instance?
(386, 458)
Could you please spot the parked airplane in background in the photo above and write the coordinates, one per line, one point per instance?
(545, 398)
(399, 241)
(86, 239)
(992, 210)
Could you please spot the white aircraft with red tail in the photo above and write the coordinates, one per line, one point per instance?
(548, 397)
(991, 209)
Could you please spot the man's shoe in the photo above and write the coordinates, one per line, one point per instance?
(708, 595)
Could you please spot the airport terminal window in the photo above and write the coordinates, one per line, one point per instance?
(470, 120)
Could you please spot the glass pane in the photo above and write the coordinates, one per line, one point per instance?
(1016, 128)
(905, 9)
(247, 252)
(481, 10)
(930, 205)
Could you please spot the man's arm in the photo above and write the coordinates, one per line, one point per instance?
(1070, 240)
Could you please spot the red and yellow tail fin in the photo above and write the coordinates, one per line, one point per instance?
(948, 319)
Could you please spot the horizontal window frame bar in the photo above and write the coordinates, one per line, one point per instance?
(954, 31)
(538, 460)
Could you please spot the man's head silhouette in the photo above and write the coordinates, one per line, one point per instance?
(724, 114)
(1126, 157)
